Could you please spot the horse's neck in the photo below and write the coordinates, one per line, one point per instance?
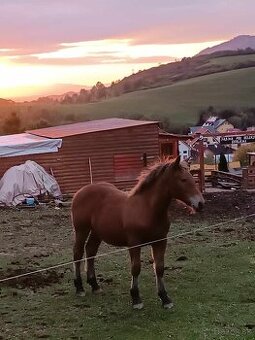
(158, 198)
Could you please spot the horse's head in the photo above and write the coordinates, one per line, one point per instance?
(182, 185)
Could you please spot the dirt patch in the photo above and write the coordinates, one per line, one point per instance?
(34, 281)
(246, 231)
(220, 206)
(32, 235)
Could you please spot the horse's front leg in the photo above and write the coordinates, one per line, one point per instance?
(135, 257)
(158, 254)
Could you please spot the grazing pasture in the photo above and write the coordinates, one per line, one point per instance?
(232, 60)
(209, 273)
(180, 102)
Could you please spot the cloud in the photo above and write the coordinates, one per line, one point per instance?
(38, 24)
(83, 41)
(93, 61)
(111, 51)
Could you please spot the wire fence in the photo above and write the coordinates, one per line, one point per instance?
(119, 250)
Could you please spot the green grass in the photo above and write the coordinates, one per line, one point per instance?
(232, 60)
(213, 291)
(179, 102)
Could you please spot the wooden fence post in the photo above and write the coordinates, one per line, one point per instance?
(201, 163)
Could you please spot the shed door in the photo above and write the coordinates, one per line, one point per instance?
(127, 166)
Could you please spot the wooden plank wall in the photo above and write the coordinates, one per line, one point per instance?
(71, 167)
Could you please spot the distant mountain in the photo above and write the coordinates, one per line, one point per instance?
(240, 42)
(54, 97)
(6, 101)
(55, 89)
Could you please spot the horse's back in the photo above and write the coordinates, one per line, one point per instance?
(95, 190)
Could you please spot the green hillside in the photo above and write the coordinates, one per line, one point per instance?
(232, 60)
(179, 102)
(187, 68)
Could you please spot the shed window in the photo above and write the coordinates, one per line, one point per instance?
(127, 166)
(167, 149)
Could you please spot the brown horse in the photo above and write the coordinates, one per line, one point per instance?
(101, 212)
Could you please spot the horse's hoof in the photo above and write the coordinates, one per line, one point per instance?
(168, 305)
(138, 306)
(97, 291)
(80, 293)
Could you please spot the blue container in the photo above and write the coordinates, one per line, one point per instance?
(30, 201)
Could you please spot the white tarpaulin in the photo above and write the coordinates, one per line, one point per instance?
(28, 179)
(27, 144)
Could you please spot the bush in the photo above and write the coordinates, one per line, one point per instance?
(223, 164)
(241, 153)
(11, 124)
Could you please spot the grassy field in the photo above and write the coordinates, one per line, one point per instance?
(179, 102)
(210, 276)
(232, 60)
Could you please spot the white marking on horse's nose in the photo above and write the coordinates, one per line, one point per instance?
(197, 201)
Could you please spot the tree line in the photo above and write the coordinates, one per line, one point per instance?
(241, 119)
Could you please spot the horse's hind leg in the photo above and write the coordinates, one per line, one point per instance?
(78, 251)
(135, 256)
(158, 253)
(91, 247)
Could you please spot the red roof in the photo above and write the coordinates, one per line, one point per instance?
(88, 127)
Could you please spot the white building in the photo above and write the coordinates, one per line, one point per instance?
(184, 150)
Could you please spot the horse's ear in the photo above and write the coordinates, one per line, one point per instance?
(176, 163)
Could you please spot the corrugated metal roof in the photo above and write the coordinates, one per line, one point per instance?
(88, 127)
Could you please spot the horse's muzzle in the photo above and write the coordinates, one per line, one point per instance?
(200, 206)
(197, 202)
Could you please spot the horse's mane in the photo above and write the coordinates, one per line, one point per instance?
(150, 175)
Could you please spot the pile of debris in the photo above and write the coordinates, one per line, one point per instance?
(27, 185)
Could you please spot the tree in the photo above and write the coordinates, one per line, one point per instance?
(12, 124)
(67, 99)
(84, 96)
(223, 164)
(101, 90)
(241, 153)
(205, 114)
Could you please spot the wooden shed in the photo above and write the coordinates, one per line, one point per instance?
(169, 143)
(113, 150)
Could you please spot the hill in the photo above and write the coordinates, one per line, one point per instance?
(187, 68)
(168, 74)
(178, 105)
(54, 97)
(240, 42)
(162, 75)
(223, 80)
(6, 101)
(181, 102)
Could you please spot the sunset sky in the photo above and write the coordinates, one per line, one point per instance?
(49, 46)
